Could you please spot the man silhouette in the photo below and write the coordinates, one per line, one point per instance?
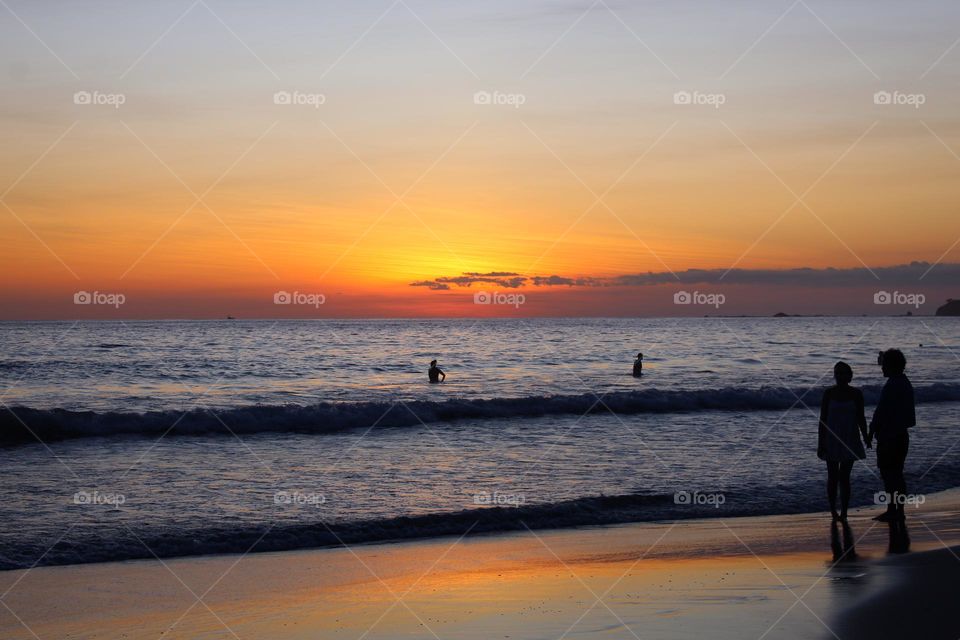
(894, 415)
(435, 374)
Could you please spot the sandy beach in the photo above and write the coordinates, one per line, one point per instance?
(760, 577)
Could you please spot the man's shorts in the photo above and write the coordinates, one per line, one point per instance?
(892, 452)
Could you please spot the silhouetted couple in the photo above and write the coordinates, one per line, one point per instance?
(842, 423)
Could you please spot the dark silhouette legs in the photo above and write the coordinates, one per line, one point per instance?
(891, 456)
(838, 481)
(896, 487)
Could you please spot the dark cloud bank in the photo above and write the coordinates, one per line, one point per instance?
(915, 273)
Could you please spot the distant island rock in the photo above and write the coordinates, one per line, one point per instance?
(952, 308)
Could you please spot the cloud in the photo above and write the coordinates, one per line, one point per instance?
(491, 274)
(505, 279)
(914, 274)
(430, 284)
(558, 281)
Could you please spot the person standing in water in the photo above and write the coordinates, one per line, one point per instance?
(435, 374)
(638, 366)
(842, 422)
(894, 415)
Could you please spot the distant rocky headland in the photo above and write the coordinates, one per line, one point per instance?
(952, 308)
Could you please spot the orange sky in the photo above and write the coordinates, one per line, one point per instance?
(299, 198)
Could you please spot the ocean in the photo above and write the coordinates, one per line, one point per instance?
(136, 439)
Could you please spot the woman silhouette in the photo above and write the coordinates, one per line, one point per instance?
(842, 422)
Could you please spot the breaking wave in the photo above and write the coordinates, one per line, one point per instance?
(22, 424)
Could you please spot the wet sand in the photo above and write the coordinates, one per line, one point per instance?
(770, 577)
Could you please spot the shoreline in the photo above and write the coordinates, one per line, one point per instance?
(680, 579)
(572, 516)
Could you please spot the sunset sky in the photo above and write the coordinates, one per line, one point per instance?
(204, 193)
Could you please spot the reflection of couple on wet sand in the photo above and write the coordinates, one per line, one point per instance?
(842, 423)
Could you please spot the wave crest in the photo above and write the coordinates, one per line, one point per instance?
(22, 424)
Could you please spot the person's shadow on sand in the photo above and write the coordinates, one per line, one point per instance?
(842, 540)
(843, 547)
(899, 537)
